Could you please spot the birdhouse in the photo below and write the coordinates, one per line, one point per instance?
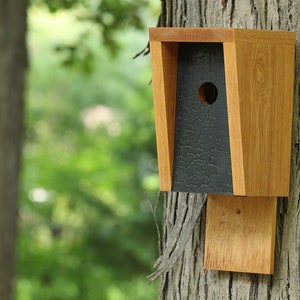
(223, 103)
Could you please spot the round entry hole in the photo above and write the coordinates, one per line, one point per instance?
(207, 93)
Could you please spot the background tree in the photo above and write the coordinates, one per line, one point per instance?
(86, 230)
(185, 277)
(12, 70)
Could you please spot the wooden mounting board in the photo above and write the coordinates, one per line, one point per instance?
(240, 234)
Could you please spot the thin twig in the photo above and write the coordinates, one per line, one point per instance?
(144, 52)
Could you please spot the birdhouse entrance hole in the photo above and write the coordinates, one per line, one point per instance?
(207, 93)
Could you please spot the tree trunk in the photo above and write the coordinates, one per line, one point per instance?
(13, 61)
(185, 277)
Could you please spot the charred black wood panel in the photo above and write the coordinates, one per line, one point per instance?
(201, 154)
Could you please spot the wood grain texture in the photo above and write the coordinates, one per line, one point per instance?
(164, 76)
(265, 84)
(234, 119)
(210, 35)
(276, 37)
(221, 35)
(240, 234)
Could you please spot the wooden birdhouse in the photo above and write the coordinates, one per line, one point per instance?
(223, 101)
(223, 109)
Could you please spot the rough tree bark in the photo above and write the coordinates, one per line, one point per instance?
(12, 69)
(186, 278)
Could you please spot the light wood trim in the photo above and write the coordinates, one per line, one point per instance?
(240, 234)
(164, 77)
(234, 119)
(265, 88)
(221, 35)
(277, 37)
(174, 34)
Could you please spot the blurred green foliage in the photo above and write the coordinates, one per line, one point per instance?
(109, 16)
(86, 229)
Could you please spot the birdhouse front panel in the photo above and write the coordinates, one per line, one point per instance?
(201, 151)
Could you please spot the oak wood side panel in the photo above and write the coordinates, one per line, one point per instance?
(164, 76)
(265, 88)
